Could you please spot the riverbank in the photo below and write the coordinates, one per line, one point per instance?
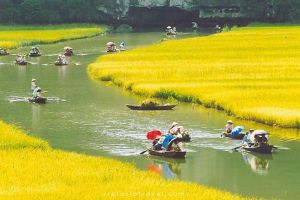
(25, 35)
(31, 169)
(251, 72)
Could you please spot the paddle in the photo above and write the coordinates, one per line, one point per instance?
(144, 151)
(235, 148)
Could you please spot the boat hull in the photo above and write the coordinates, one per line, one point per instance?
(60, 64)
(21, 63)
(236, 137)
(168, 154)
(39, 100)
(35, 55)
(160, 107)
(262, 149)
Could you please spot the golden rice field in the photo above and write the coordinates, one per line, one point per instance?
(251, 73)
(30, 169)
(13, 37)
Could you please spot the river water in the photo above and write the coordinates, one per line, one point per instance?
(91, 118)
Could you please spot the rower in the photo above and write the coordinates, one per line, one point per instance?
(229, 126)
(33, 85)
(122, 46)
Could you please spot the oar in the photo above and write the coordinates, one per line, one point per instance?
(144, 151)
(235, 148)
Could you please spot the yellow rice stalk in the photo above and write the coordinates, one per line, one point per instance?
(250, 72)
(30, 169)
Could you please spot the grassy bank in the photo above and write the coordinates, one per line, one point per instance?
(251, 72)
(30, 169)
(23, 35)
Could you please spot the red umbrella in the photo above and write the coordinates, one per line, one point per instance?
(152, 135)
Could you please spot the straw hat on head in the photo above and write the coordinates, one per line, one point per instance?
(174, 124)
(33, 80)
(229, 122)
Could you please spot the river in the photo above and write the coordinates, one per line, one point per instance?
(91, 118)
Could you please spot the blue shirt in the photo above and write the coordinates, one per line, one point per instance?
(167, 140)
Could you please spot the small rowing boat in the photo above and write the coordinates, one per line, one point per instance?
(169, 154)
(34, 54)
(153, 107)
(236, 137)
(265, 149)
(39, 100)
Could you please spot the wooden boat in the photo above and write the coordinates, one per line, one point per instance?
(60, 63)
(266, 149)
(4, 54)
(236, 137)
(169, 154)
(68, 51)
(154, 107)
(39, 100)
(34, 54)
(21, 63)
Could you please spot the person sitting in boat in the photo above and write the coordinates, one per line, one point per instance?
(237, 130)
(68, 51)
(34, 50)
(20, 59)
(229, 126)
(37, 92)
(3, 51)
(174, 134)
(61, 59)
(111, 47)
(33, 85)
(246, 138)
(258, 138)
(122, 46)
(157, 143)
(218, 28)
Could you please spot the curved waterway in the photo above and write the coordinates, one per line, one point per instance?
(91, 118)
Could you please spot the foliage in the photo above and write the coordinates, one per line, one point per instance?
(15, 36)
(250, 72)
(30, 169)
(67, 11)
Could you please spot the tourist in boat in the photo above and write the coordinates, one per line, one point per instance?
(174, 30)
(111, 47)
(229, 126)
(34, 51)
(3, 51)
(157, 143)
(68, 51)
(246, 138)
(169, 29)
(237, 130)
(122, 46)
(37, 92)
(218, 28)
(258, 138)
(61, 60)
(20, 59)
(33, 85)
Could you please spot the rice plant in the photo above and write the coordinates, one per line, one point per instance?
(250, 72)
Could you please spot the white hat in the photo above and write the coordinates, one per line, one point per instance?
(230, 122)
(174, 124)
(33, 80)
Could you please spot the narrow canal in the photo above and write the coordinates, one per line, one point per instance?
(91, 118)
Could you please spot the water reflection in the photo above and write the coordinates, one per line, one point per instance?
(258, 163)
(169, 168)
(36, 110)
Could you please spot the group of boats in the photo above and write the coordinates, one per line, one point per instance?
(35, 52)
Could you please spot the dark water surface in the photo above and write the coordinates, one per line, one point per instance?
(92, 119)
